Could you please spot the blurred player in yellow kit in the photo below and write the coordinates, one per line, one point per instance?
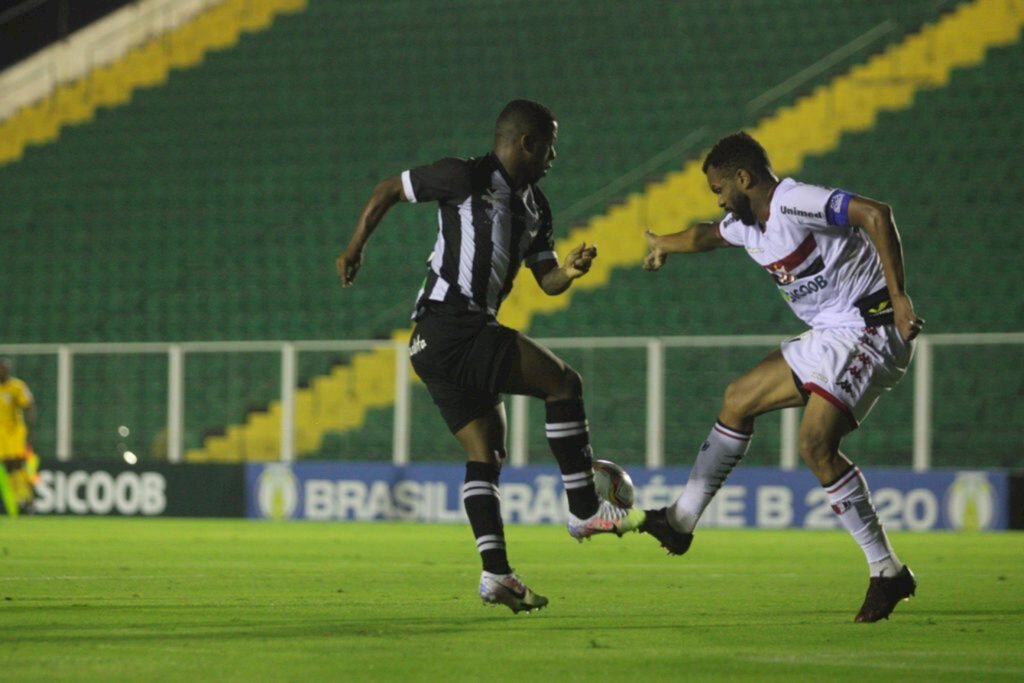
(17, 414)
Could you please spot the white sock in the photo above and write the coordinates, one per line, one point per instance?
(851, 501)
(721, 452)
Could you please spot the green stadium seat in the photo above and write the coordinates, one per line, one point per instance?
(211, 208)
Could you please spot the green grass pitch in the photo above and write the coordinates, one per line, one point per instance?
(232, 600)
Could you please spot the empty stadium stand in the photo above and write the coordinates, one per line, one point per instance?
(211, 206)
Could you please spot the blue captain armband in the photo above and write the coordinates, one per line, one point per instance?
(837, 207)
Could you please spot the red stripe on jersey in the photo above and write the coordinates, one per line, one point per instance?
(790, 262)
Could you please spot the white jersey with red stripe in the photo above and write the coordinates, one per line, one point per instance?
(828, 270)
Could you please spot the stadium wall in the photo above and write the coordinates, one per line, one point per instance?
(158, 490)
(763, 497)
(1016, 500)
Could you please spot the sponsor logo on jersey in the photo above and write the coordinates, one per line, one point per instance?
(880, 308)
(417, 345)
(804, 289)
(791, 211)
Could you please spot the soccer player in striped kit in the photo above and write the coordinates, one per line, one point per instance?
(493, 218)
(836, 258)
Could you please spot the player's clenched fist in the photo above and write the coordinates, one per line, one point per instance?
(578, 261)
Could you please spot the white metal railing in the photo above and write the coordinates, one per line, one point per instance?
(177, 354)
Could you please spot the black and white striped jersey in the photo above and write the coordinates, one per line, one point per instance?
(486, 231)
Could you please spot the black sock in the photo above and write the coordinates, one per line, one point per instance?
(483, 507)
(570, 442)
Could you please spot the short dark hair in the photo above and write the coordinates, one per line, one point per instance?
(524, 117)
(737, 151)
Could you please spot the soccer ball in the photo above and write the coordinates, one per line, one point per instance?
(613, 484)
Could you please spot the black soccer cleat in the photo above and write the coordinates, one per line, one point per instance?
(884, 593)
(656, 524)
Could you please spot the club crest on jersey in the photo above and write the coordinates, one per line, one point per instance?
(781, 274)
(493, 198)
(802, 262)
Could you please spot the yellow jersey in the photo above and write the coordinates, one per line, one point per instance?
(15, 397)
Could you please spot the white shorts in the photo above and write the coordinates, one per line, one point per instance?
(849, 367)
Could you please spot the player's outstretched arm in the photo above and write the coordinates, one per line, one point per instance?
(877, 220)
(386, 194)
(555, 279)
(700, 237)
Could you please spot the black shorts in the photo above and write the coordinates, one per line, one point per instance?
(464, 358)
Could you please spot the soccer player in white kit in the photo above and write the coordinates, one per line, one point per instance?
(836, 258)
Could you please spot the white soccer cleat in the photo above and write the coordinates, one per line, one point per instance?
(509, 590)
(609, 519)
